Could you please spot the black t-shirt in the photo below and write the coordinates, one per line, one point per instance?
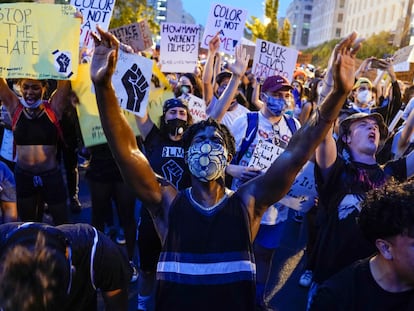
(99, 264)
(167, 158)
(340, 241)
(354, 289)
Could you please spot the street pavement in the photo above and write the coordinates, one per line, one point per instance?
(283, 291)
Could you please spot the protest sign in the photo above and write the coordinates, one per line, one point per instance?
(179, 47)
(264, 155)
(31, 48)
(132, 80)
(136, 35)
(272, 59)
(302, 194)
(196, 107)
(90, 123)
(402, 58)
(94, 12)
(229, 22)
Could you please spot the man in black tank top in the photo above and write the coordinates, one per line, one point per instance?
(207, 232)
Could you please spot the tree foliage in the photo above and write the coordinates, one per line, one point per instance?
(270, 31)
(377, 45)
(132, 11)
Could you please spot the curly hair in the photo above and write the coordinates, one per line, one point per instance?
(388, 211)
(224, 131)
(31, 278)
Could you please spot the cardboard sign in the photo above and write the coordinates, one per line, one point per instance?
(302, 194)
(196, 107)
(272, 59)
(90, 123)
(179, 47)
(94, 12)
(31, 48)
(229, 22)
(132, 80)
(402, 59)
(264, 155)
(136, 35)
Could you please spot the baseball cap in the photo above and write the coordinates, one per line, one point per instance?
(276, 83)
(360, 81)
(173, 103)
(346, 123)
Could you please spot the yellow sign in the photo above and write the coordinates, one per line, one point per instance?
(38, 41)
(89, 120)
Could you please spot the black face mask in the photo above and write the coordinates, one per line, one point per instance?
(176, 126)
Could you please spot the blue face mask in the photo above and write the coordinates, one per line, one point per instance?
(276, 105)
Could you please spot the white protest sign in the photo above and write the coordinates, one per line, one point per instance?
(302, 194)
(94, 12)
(229, 21)
(264, 155)
(196, 107)
(179, 47)
(132, 81)
(136, 35)
(402, 59)
(271, 59)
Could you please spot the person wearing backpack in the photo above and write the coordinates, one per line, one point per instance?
(270, 126)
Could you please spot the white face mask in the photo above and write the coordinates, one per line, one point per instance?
(207, 162)
(364, 96)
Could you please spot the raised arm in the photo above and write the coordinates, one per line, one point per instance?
(267, 189)
(237, 69)
(60, 98)
(133, 165)
(7, 97)
(406, 134)
(209, 72)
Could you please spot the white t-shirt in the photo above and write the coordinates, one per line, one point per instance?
(278, 134)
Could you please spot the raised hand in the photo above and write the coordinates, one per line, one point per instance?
(214, 44)
(104, 57)
(344, 63)
(240, 65)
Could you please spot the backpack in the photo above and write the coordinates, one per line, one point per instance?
(252, 126)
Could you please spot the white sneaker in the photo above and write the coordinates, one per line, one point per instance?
(306, 278)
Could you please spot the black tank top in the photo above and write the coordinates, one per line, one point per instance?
(207, 261)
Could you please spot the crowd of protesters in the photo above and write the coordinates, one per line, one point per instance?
(211, 221)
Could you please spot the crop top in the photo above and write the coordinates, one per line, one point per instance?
(38, 131)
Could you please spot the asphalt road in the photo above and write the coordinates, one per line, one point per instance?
(283, 291)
